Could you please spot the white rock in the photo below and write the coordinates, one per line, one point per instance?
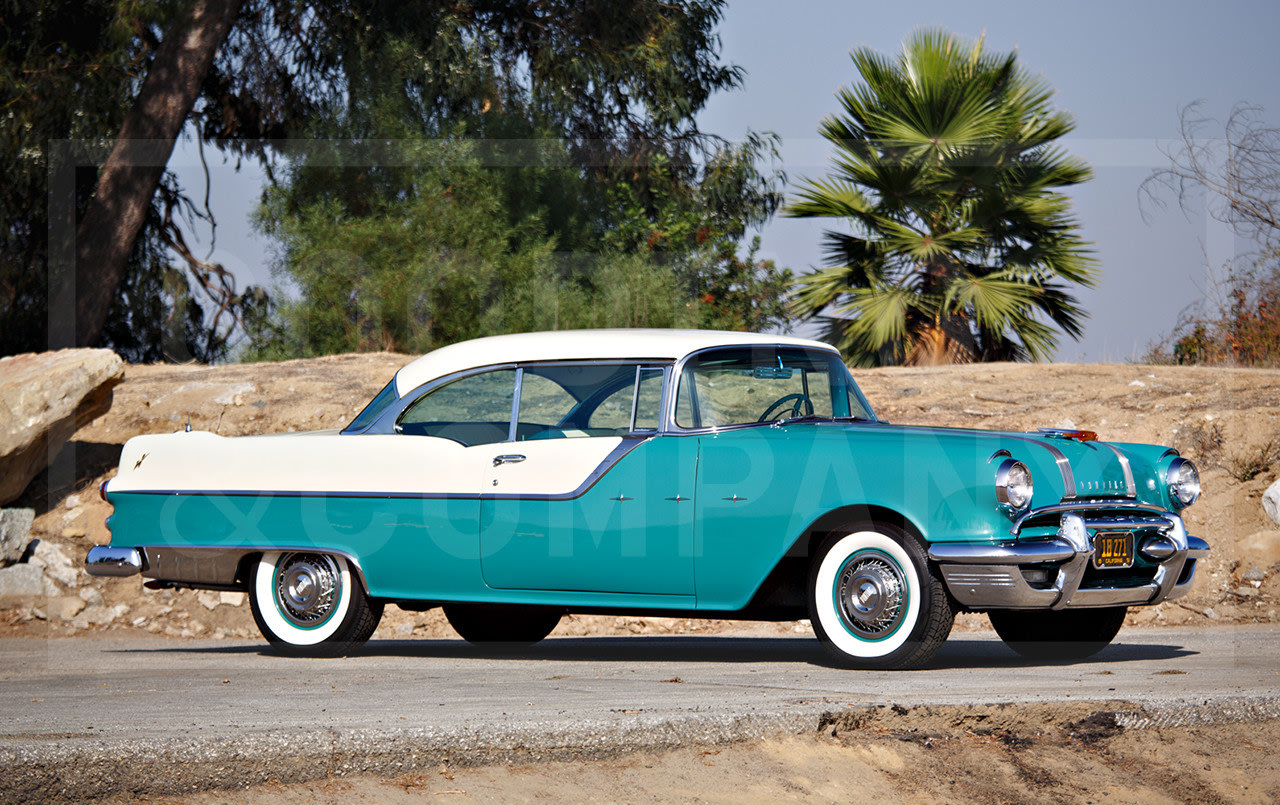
(91, 596)
(1271, 502)
(65, 607)
(21, 582)
(228, 397)
(1139, 384)
(72, 502)
(97, 616)
(232, 599)
(208, 599)
(56, 564)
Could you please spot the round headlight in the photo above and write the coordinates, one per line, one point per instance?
(1184, 482)
(1013, 486)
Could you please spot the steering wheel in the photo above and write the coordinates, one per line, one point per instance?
(799, 400)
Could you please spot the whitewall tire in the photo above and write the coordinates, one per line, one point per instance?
(874, 602)
(310, 603)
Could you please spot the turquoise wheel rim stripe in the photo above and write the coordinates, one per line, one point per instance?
(839, 608)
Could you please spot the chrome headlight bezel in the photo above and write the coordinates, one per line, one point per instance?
(1182, 480)
(1014, 487)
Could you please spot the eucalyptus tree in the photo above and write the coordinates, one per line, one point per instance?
(957, 242)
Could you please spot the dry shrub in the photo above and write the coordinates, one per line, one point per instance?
(1251, 463)
(1208, 446)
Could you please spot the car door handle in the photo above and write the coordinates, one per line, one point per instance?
(513, 458)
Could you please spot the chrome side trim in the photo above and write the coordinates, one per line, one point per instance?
(1064, 466)
(216, 566)
(1130, 489)
(105, 560)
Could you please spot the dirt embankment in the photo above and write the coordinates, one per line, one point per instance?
(1225, 418)
(1073, 754)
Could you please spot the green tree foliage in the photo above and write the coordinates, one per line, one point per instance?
(618, 82)
(458, 187)
(962, 248)
(68, 71)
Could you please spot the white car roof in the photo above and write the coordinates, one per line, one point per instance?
(566, 345)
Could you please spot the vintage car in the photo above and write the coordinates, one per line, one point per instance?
(513, 479)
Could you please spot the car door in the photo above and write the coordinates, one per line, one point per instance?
(590, 497)
(442, 444)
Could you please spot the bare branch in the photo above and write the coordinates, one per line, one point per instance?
(1239, 170)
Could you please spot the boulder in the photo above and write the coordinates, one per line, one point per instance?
(44, 398)
(20, 583)
(15, 534)
(1261, 549)
(1271, 502)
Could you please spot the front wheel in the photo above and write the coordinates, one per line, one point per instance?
(873, 601)
(1067, 634)
(311, 604)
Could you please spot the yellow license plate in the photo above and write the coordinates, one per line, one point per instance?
(1112, 550)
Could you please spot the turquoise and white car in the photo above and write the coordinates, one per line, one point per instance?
(513, 479)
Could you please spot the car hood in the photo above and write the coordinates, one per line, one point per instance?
(1062, 468)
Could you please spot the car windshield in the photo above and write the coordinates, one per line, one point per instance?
(743, 385)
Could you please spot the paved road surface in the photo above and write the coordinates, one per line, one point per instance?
(91, 713)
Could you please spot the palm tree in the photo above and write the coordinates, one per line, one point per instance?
(946, 168)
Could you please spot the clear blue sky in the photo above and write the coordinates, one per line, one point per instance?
(1123, 68)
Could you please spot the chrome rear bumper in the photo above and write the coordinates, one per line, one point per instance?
(104, 560)
(985, 576)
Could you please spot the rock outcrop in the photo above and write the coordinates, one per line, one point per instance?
(15, 534)
(44, 398)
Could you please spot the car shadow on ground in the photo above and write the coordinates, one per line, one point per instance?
(958, 653)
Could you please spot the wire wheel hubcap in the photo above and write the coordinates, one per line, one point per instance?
(871, 595)
(307, 588)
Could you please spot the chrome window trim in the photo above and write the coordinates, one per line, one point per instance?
(513, 422)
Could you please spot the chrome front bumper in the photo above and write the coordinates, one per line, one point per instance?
(985, 576)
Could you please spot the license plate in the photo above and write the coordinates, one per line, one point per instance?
(1111, 550)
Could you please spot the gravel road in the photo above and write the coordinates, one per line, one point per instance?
(84, 718)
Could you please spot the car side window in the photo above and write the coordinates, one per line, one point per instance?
(575, 401)
(472, 410)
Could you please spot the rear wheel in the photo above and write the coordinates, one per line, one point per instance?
(311, 604)
(1066, 634)
(874, 602)
(494, 625)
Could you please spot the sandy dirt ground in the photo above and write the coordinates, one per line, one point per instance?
(1226, 419)
(1071, 754)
